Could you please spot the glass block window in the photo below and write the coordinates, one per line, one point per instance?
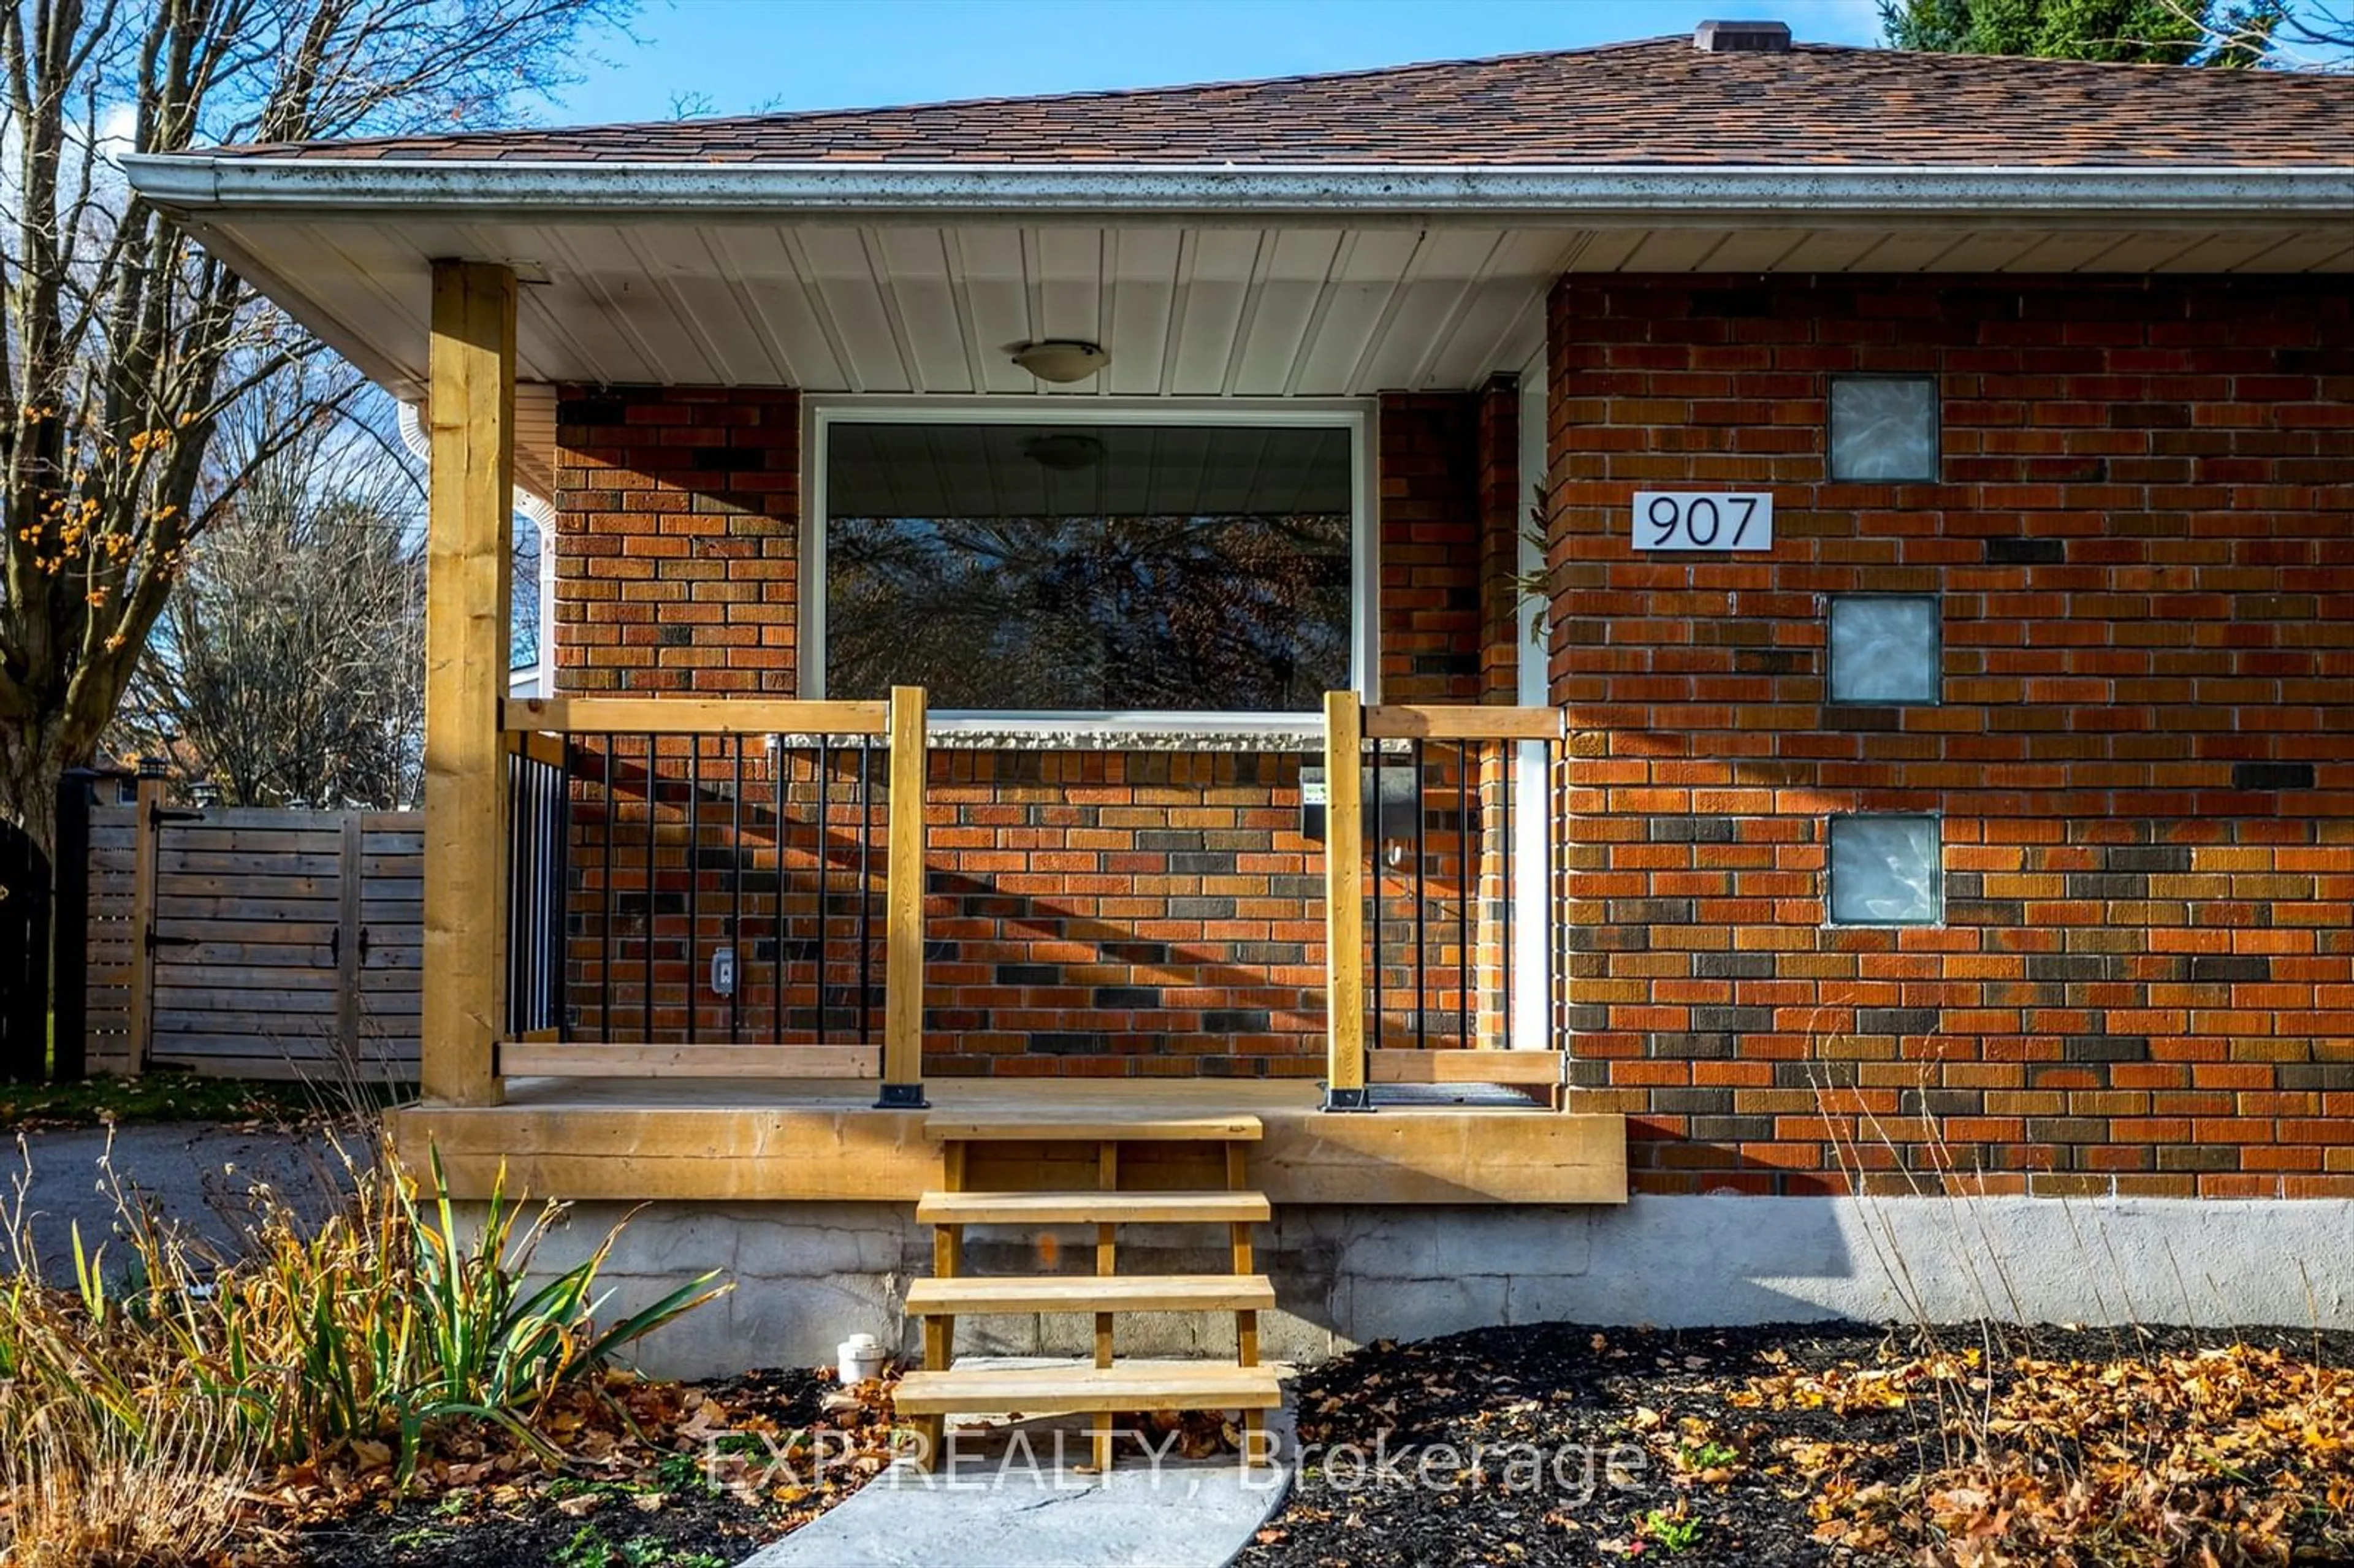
(1883, 428)
(1887, 871)
(1886, 649)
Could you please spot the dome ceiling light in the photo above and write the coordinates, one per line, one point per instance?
(1061, 360)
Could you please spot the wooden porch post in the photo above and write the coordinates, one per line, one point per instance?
(903, 908)
(1345, 905)
(468, 560)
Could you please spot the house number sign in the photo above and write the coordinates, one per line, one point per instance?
(1703, 520)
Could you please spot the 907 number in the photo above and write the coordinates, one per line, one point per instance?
(1699, 520)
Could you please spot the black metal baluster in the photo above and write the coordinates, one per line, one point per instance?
(865, 885)
(552, 900)
(1467, 885)
(534, 888)
(735, 898)
(694, 878)
(518, 836)
(535, 874)
(525, 827)
(1421, 904)
(560, 984)
(541, 815)
(543, 865)
(523, 948)
(651, 792)
(824, 890)
(605, 931)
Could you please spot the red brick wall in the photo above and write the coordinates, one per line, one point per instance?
(1111, 914)
(1090, 913)
(677, 566)
(1503, 513)
(1430, 529)
(2143, 536)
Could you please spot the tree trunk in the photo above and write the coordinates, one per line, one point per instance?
(32, 758)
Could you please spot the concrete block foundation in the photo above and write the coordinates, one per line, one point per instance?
(807, 1275)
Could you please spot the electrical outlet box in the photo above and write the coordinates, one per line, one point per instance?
(723, 972)
(1391, 817)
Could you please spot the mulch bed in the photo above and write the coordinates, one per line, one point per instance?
(1766, 1447)
(651, 1478)
(1798, 1445)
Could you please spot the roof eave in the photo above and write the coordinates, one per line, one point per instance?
(196, 185)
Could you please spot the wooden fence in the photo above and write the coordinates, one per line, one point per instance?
(254, 942)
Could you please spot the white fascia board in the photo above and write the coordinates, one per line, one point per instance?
(196, 183)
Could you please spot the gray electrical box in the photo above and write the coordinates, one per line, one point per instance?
(1393, 816)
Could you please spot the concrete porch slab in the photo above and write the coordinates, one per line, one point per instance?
(1015, 1496)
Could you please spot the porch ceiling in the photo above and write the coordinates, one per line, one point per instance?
(1186, 307)
(925, 308)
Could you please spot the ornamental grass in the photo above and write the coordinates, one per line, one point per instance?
(146, 1396)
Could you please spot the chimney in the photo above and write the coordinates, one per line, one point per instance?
(1742, 37)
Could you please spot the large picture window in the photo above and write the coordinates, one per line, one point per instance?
(1093, 566)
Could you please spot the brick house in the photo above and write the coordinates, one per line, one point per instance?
(1931, 770)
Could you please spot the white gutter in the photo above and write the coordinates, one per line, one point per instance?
(197, 183)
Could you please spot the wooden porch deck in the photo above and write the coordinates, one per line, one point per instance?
(749, 1140)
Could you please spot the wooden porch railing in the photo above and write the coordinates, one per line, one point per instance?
(1358, 741)
(576, 755)
(618, 808)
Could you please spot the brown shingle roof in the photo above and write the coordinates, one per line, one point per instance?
(1660, 101)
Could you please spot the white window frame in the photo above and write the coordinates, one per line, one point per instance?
(821, 414)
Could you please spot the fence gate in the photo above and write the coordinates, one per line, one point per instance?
(261, 942)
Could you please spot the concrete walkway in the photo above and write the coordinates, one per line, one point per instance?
(1011, 1502)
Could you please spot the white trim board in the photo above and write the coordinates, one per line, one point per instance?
(1534, 918)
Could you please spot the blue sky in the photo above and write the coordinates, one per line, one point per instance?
(745, 54)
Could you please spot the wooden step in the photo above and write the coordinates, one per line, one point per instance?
(1090, 1208)
(998, 1127)
(1064, 1390)
(1093, 1293)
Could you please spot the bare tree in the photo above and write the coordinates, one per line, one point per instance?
(288, 666)
(2317, 35)
(124, 343)
(525, 568)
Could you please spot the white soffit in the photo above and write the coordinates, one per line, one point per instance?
(901, 308)
(1190, 308)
